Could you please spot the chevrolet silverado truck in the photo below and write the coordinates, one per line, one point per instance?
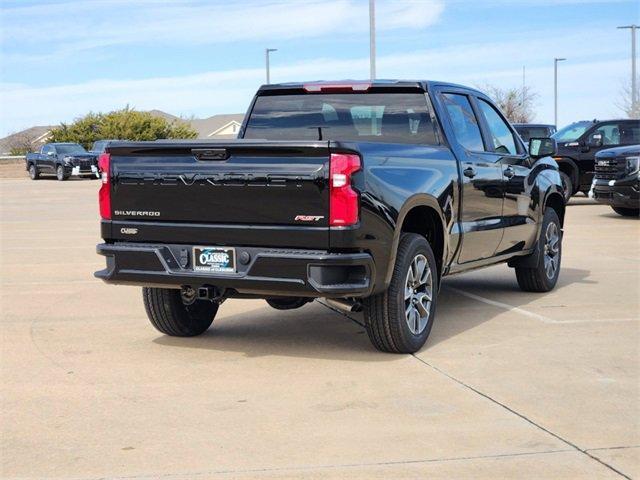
(617, 180)
(62, 160)
(362, 193)
(579, 143)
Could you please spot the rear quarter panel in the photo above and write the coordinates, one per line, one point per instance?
(395, 179)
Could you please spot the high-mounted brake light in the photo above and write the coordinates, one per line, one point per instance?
(343, 200)
(104, 195)
(337, 87)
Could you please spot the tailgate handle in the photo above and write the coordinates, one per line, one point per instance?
(210, 153)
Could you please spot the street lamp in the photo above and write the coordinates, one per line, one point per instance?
(634, 92)
(267, 51)
(555, 89)
(372, 39)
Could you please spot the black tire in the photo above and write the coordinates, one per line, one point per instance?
(627, 212)
(386, 318)
(287, 303)
(34, 174)
(170, 315)
(539, 278)
(567, 187)
(60, 175)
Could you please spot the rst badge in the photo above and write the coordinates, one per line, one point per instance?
(308, 218)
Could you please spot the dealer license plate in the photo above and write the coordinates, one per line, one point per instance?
(214, 259)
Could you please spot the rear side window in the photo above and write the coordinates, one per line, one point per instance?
(464, 121)
(501, 135)
(630, 133)
(379, 117)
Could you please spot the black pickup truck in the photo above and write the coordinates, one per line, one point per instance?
(578, 144)
(62, 160)
(363, 193)
(617, 180)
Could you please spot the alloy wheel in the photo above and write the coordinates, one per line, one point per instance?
(551, 250)
(418, 294)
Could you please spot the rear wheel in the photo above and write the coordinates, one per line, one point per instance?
(33, 172)
(567, 186)
(544, 275)
(627, 212)
(175, 313)
(60, 175)
(399, 320)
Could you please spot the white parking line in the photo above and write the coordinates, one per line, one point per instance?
(536, 316)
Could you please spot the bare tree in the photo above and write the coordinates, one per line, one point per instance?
(21, 142)
(625, 100)
(517, 104)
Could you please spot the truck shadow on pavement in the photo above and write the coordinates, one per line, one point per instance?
(315, 331)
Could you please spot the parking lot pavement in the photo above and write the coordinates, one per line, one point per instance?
(510, 384)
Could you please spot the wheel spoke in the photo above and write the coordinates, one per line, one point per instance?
(423, 305)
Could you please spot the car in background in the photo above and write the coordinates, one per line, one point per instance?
(534, 130)
(617, 180)
(578, 144)
(62, 160)
(99, 146)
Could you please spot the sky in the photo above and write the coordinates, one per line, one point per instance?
(196, 58)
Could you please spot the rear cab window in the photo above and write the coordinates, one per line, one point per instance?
(362, 117)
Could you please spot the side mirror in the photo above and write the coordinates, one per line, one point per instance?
(542, 147)
(595, 140)
(50, 153)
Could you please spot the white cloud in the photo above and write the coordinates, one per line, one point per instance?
(589, 81)
(65, 28)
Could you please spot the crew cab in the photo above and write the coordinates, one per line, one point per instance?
(363, 193)
(617, 180)
(578, 144)
(61, 160)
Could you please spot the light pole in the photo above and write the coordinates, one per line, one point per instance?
(267, 51)
(634, 92)
(372, 39)
(555, 89)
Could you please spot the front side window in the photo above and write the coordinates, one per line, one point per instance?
(376, 117)
(501, 135)
(610, 133)
(464, 121)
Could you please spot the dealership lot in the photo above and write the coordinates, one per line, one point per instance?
(509, 382)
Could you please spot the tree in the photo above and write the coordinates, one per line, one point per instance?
(517, 104)
(125, 124)
(21, 143)
(625, 98)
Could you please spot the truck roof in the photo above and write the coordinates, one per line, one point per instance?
(361, 85)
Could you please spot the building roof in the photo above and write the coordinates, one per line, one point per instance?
(32, 134)
(208, 126)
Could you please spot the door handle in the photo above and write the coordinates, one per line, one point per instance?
(469, 172)
(509, 172)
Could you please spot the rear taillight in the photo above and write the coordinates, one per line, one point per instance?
(104, 195)
(343, 200)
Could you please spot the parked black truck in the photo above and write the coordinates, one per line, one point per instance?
(534, 130)
(62, 160)
(579, 143)
(364, 193)
(617, 179)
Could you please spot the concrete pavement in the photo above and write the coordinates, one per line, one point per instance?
(509, 385)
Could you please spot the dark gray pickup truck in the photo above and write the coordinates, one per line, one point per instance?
(366, 194)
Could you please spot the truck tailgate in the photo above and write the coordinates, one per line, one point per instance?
(223, 185)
